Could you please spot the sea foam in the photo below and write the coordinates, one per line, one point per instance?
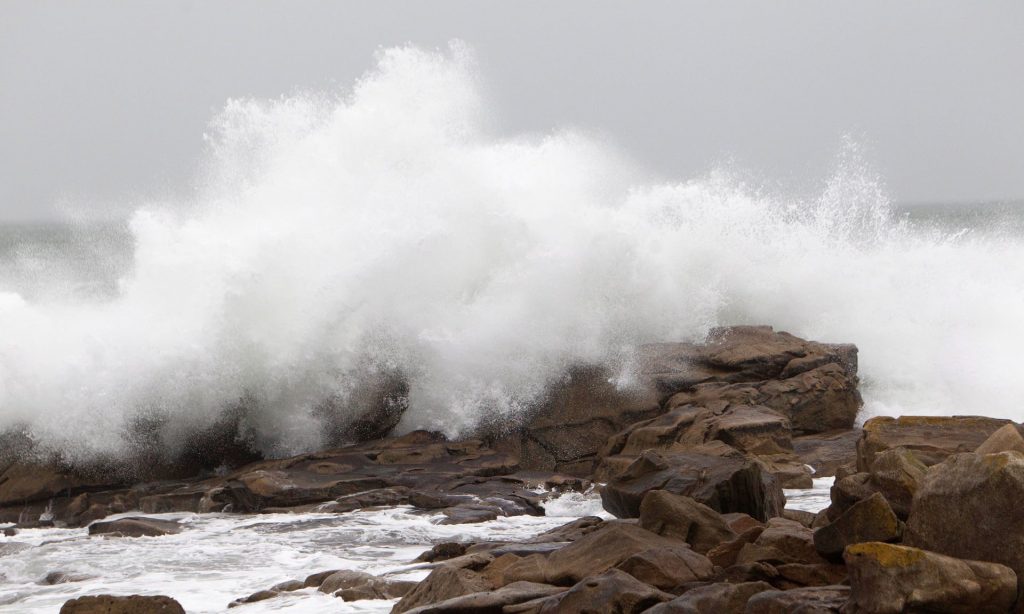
(393, 228)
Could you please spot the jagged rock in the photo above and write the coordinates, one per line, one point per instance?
(969, 507)
(668, 567)
(930, 438)
(889, 579)
(491, 601)
(827, 452)
(566, 431)
(612, 592)
(782, 541)
(725, 553)
(445, 582)
(897, 474)
(812, 600)
(870, 520)
(683, 518)
(723, 597)
(592, 554)
(131, 604)
(1004, 439)
(753, 430)
(135, 527)
(720, 478)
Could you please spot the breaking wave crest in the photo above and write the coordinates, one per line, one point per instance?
(391, 230)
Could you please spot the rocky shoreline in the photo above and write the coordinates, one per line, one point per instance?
(692, 460)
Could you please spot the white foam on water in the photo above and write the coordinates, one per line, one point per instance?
(389, 227)
(220, 557)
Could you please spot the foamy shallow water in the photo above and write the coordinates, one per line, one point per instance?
(219, 557)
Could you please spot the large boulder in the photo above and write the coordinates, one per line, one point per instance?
(930, 438)
(724, 480)
(115, 604)
(969, 507)
(889, 579)
(870, 520)
(683, 518)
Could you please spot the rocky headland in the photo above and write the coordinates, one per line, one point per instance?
(925, 512)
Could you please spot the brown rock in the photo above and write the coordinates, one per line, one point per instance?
(568, 429)
(870, 520)
(897, 474)
(969, 507)
(753, 430)
(782, 541)
(135, 527)
(592, 554)
(491, 601)
(683, 518)
(812, 600)
(724, 480)
(668, 567)
(445, 582)
(131, 604)
(725, 554)
(930, 438)
(722, 597)
(889, 579)
(797, 575)
(612, 592)
(827, 452)
(1004, 439)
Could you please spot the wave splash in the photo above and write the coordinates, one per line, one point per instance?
(391, 231)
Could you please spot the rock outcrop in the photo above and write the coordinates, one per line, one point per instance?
(889, 579)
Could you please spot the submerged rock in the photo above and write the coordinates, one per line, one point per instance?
(135, 527)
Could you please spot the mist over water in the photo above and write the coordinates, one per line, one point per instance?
(390, 229)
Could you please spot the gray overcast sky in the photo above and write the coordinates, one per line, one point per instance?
(107, 101)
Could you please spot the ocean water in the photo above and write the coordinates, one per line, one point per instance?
(220, 557)
(333, 235)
